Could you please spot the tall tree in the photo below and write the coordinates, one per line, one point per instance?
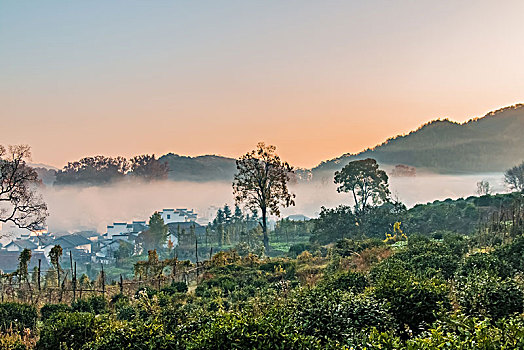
(514, 177)
(148, 168)
(20, 204)
(261, 182)
(227, 212)
(156, 235)
(367, 183)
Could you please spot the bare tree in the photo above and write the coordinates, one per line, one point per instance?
(514, 177)
(20, 204)
(261, 182)
(483, 188)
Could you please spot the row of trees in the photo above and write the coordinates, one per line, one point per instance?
(100, 170)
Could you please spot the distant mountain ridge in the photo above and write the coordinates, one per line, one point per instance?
(491, 143)
(200, 168)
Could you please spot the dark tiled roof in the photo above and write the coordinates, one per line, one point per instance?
(24, 244)
(72, 241)
(87, 234)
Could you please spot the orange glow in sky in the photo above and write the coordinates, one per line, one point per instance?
(317, 79)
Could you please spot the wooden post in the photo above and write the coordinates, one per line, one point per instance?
(196, 250)
(74, 283)
(102, 275)
(39, 274)
(71, 267)
(210, 253)
(121, 283)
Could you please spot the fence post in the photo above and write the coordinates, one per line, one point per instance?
(102, 275)
(121, 284)
(196, 255)
(72, 274)
(74, 284)
(39, 273)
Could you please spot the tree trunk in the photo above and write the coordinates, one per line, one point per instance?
(264, 230)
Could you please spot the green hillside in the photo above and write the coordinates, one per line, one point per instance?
(488, 144)
(201, 168)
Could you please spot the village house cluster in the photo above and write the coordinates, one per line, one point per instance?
(85, 246)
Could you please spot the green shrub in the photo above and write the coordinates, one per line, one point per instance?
(94, 304)
(98, 304)
(81, 305)
(49, 310)
(126, 313)
(239, 331)
(338, 315)
(470, 333)
(67, 331)
(479, 262)
(296, 249)
(487, 295)
(115, 335)
(348, 247)
(511, 254)
(17, 316)
(346, 281)
(176, 287)
(413, 301)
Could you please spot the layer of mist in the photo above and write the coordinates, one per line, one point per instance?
(83, 208)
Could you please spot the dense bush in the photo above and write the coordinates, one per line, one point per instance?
(429, 258)
(413, 301)
(48, 310)
(240, 331)
(17, 316)
(349, 247)
(95, 304)
(338, 315)
(469, 333)
(115, 335)
(296, 249)
(511, 254)
(484, 262)
(67, 331)
(355, 282)
(487, 295)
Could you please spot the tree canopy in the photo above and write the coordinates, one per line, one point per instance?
(367, 183)
(156, 235)
(514, 177)
(261, 182)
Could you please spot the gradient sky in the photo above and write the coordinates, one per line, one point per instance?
(315, 78)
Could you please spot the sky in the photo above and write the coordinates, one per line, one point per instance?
(315, 78)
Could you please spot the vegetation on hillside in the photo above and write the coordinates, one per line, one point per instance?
(486, 144)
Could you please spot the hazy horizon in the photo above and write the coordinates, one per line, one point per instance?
(76, 208)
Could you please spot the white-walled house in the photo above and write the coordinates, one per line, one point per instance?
(170, 216)
(117, 228)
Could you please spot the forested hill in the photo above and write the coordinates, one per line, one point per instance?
(201, 168)
(492, 143)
